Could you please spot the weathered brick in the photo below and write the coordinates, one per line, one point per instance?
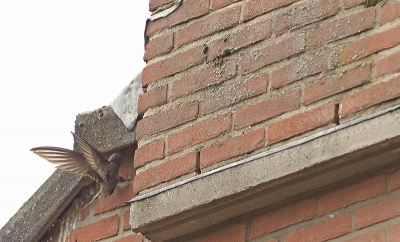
(236, 233)
(219, 97)
(344, 197)
(368, 97)
(131, 238)
(198, 133)
(204, 78)
(172, 65)
(395, 233)
(304, 66)
(267, 109)
(342, 28)
(377, 212)
(159, 46)
(301, 123)
(254, 8)
(123, 170)
(154, 4)
(149, 152)
(166, 120)
(281, 218)
(84, 213)
(167, 171)
(153, 98)
(372, 44)
(374, 236)
(389, 12)
(99, 230)
(332, 228)
(235, 40)
(210, 25)
(303, 14)
(395, 180)
(188, 10)
(388, 65)
(125, 220)
(332, 85)
(351, 3)
(217, 4)
(232, 147)
(116, 199)
(257, 59)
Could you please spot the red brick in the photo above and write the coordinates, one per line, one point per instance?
(159, 46)
(395, 180)
(204, 78)
(306, 13)
(351, 3)
(395, 233)
(304, 66)
(332, 85)
(389, 12)
(335, 227)
(368, 97)
(153, 98)
(281, 218)
(232, 147)
(301, 123)
(172, 65)
(235, 233)
(257, 59)
(372, 44)
(104, 228)
(125, 220)
(377, 212)
(388, 65)
(352, 194)
(220, 97)
(216, 4)
(149, 152)
(237, 39)
(83, 213)
(342, 28)
(198, 133)
(272, 240)
(188, 10)
(377, 236)
(166, 120)
(131, 238)
(210, 25)
(154, 4)
(267, 109)
(254, 8)
(167, 171)
(117, 199)
(123, 170)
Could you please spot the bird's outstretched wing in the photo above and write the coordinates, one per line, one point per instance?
(68, 160)
(95, 159)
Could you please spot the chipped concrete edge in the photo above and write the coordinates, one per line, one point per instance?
(190, 201)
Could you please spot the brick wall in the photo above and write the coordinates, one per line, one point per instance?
(226, 79)
(365, 211)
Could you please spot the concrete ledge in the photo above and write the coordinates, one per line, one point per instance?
(103, 129)
(337, 154)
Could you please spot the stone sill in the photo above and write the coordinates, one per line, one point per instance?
(269, 178)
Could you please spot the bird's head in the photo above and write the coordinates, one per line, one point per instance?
(116, 157)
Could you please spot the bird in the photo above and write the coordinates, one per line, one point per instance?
(90, 162)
